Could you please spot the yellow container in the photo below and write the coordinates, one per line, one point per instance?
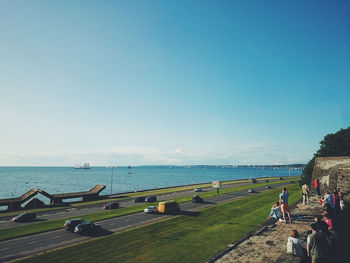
(168, 207)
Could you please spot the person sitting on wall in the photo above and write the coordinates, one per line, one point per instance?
(328, 204)
(328, 198)
(294, 244)
(327, 210)
(328, 220)
(276, 211)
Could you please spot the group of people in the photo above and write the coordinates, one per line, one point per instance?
(280, 209)
(323, 233)
(332, 203)
(322, 239)
(318, 244)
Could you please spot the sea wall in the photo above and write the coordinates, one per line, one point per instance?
(332, 172)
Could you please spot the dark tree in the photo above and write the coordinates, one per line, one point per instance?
(337, 144)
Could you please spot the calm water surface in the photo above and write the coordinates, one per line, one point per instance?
(18, 180)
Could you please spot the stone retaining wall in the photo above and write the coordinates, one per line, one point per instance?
(332, 172)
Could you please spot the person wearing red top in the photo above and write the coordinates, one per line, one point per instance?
(329, 222)
(317, 188)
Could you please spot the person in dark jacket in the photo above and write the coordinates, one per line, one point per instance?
(317, 245)
(336, 199)
(322, 225)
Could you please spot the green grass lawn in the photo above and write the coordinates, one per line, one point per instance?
(182, 238)
(40, 227)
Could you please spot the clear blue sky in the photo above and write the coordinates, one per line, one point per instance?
(171, 82)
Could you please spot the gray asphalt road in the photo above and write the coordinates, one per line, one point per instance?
(5, 222)
(30, 245)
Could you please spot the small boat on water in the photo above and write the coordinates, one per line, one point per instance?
(85, 166)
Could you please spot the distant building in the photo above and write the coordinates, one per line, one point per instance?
(332, 172)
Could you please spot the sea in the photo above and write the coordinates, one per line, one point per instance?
(18, 180)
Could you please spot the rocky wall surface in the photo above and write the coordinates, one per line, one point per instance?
(332, 172)
(343, 182)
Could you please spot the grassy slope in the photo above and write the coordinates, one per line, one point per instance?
(179, 239)
(35, 228)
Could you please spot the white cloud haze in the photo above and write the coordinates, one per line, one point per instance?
(134, 155)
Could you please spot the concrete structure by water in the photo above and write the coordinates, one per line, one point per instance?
(55, 199)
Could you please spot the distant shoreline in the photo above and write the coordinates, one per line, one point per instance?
(169, 165)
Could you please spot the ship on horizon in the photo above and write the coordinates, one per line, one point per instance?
(85, 166)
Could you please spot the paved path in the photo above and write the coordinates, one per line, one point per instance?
(269, 244)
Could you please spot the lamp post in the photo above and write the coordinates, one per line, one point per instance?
(185, 181)
(11, 202)
(110, 196)
(288, 170)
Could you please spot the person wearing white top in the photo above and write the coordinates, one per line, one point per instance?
(294, 244)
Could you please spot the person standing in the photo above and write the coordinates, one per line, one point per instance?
(306, 194)
(317, 187)
(336, 200)
(317, 246)
(341, 200)
(322, 226)
(340, 193)
(284, 204)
